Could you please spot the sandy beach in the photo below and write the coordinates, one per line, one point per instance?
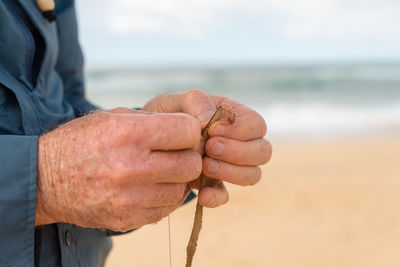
(319, 204)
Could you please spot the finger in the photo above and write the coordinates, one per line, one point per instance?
(170, 167)
(193, 102)
(247, 126)
(198, 104)
(250, 153)
(164, 103)
(214, 195)
(133, 215)
(250, 125)
(139, 217)
(168, 131)
(239, 175)
(255, 126)
(155, 195)
(153, 215)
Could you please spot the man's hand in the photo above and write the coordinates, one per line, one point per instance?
(117, 170)
(233, 152)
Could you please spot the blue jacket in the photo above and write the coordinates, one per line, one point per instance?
(41, 86)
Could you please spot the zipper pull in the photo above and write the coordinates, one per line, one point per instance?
(47, 8)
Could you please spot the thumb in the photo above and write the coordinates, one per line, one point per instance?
(198, 104)
(195, 103)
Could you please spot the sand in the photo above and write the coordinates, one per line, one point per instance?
(319, 204)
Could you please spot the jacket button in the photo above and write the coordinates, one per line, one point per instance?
(68, 238)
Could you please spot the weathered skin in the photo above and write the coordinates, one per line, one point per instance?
(243, 146)
(116, 170)
(122, 169)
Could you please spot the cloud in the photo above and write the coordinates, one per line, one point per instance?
(247, 31)
(289, 19)
(339, 19)
(172, 17)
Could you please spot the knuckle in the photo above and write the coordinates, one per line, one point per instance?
(113, 120)
(121, 110)
(116, 124)
(191, 94)
(102, 120)
(119, 172)
(110, 121)
(97, 113)
(193, 99)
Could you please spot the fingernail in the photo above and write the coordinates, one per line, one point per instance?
(218, 149)
(213, 166)
(205, 115)
(219, 130)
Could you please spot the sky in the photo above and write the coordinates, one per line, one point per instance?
(155, 33)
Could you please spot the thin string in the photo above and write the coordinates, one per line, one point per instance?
(169, 239)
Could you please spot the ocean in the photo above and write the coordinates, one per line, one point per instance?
(297, 102)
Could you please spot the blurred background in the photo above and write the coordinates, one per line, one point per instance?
(325, 75)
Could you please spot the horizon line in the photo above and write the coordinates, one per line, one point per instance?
(197, 66)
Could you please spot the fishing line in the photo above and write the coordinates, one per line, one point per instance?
(169, 241)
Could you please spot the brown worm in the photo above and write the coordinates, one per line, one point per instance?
(223, 109)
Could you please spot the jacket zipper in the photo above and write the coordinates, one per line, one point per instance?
(22, 20)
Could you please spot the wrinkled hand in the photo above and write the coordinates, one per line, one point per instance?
(118, 169)
(233, 152)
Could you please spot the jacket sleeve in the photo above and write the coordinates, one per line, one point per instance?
(70, 59)
(18, 161)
